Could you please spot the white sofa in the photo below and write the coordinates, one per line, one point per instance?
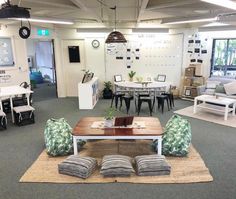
(220, 86)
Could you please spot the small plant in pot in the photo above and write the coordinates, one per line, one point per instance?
(107, 92)
(109, 117)
(131, 75)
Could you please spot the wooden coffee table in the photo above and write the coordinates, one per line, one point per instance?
(152, 130)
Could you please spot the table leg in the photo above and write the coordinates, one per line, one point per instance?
(28, 101)
(195, 106)
(226, 112)
(75, 145)
(234, 109)
(1, 104)
(12, 113)
(159, 146)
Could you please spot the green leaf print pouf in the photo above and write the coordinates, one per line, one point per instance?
(58, 137)
(177, 137)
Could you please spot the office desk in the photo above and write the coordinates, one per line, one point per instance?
(10, 92)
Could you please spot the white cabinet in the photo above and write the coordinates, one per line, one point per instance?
(88, 94)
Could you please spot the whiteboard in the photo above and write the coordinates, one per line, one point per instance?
(6, 55)
(148, 55)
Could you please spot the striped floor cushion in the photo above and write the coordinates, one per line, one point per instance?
(152, 165)
(75, 165)
(116, 165)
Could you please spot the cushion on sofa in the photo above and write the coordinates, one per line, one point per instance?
(152, 165)
(75, 165)
(230, 88)
(177, 137)
(116, 165)
(220, 89)
(212, 84)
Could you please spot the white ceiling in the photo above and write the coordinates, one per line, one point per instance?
(130, 13)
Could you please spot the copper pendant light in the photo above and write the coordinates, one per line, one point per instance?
(115, 36)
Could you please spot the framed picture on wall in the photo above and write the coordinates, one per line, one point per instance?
(187, 92)
(74, 55)
(117, 78)
(161, 78)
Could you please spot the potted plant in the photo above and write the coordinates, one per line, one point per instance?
(131, 75)
(109, 117)
(107, 92)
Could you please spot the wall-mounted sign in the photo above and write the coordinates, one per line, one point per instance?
(43, 32)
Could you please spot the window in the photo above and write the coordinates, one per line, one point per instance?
(224, 58)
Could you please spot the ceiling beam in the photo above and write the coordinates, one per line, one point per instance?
(81, 4)
(142, 9)
(170, 5)
(55, 5)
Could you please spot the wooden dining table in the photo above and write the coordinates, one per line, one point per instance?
(84, 131)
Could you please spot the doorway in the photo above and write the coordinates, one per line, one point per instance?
(41, 62)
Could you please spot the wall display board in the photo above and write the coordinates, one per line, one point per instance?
(196, 48)
(148, 55)
(6, 55)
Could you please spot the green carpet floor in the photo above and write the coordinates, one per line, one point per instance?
(20, 146)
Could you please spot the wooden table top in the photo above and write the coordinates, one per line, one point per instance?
(83, 128)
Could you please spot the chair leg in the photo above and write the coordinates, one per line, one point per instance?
(167, 102)
(112, 99)
(127, 104)
(116, 101)
(162, 105)
(139, 106)
(150, 107)
(172, 99)
(159, 103)
(120, 102)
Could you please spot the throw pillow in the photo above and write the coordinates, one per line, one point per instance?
(116, 165)
(230, 88)
(152, 165)
(220, 89)
(212, 84)
(75, 165)
(177, 137)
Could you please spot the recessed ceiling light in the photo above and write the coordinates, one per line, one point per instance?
(45, 21)
(223, 3)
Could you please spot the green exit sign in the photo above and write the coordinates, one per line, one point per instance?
(43, 32)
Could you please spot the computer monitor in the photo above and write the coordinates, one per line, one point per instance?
(124, 121)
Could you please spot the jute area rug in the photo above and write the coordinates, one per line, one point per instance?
(184, 170)
(214, 117)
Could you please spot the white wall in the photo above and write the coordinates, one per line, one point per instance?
(19, 72)
(105, 67)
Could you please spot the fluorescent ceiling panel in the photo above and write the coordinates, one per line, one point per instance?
(45, 21)
(223, 3)
(214, 24)
(191, 21)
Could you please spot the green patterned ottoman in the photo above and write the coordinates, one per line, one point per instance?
(176, 138)
(58, 137)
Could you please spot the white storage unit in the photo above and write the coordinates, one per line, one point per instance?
(88, 94)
